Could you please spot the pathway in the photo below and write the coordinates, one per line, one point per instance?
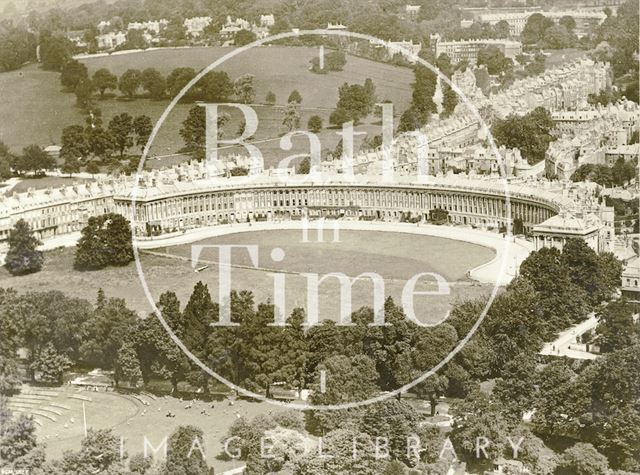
(566, 345)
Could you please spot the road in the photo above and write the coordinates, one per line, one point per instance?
(566, 345)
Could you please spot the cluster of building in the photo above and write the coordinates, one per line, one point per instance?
(598, 136)
(562, 88)
(194, 27)
(187, 196)
(474, 160)
(467, 50)
(585, 20)
(110, 38)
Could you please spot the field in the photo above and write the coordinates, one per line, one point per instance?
(60, 420)
(46, 110)
(395, 256)
(561, 56)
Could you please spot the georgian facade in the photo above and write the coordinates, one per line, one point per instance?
(186, 197)
(467, 202)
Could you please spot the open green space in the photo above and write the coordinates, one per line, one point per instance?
(46, 112)
(59, 412)
(395, 256)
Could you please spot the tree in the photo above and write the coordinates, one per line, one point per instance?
(33, 159)
(339, 117)
(51, 365)
(55, 52)
(72, 73)
(340, 445)
(10, 380)
(166, 359)
(142, 128)
(243, 88)
(412, 119)
(74, 142)
(530, 133)
(394, 419)
(517, 384)
(154, 83)
(215, 86)
(193, 131)
(614, 384)
(17, 47)
(19, 448)
(70, 166)
(23, 256)
(568, 22)
(585, 270)
(304, 167)
(314, 124)
(291, 117)
(197, 318)
(244, 37)
(121, 129)
(294, 97)
(101, 141)
(562, 302)
(6, 161)
(333, 61)
(178, 79)
(108, 339)
(494, 59)
(616, 327)
(501, 29)
(352, 379)
(103, 79)
(356, 100)
(479, 416)
(127, 365)
(130, 82)
(105, 241)
(181, 458)
(582, 459)
(270, 98)
(560, 404)
(139, 464)
(84, 93)
(535, 28)
(559, 37)
(99, 453)
(135, 40)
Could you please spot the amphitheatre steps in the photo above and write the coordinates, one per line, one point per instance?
(43, 405)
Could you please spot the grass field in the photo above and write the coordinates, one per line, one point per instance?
(45, 110)
(395, 256)
(60, 422)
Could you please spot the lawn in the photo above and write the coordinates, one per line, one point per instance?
(45, 110)
(395, 256)
(561, 56)
(131, 418)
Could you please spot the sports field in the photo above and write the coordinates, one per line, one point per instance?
(396, 257)
(45, 112)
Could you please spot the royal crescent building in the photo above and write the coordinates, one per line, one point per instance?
(185, 197)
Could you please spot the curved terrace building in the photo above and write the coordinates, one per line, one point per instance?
(184, 197)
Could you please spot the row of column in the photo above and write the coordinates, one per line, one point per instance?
(207, 206)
